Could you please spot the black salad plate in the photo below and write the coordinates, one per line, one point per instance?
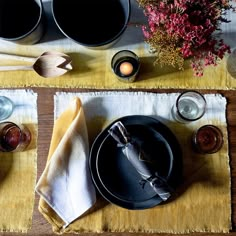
(114, 176)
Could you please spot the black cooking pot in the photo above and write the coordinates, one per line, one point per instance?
(21, 22)
(92, 23)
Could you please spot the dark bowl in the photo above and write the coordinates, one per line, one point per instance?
(92, 23)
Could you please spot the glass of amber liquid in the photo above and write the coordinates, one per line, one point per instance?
(207, 139)
(13, 137)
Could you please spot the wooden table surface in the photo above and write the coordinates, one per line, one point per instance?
(54, 41)
(45, 115)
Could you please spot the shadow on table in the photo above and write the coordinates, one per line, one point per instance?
(80, 62)
(196, 167)
(6, 162)
(33, 130)
(149, 70)
(52, 32)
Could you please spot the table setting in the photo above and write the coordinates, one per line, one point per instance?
(109, 133)
(86, 60)
(186, 193)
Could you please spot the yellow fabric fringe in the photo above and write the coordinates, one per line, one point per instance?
(92, 70)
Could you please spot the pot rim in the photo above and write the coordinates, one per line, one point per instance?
(97, 44)
(40, 18)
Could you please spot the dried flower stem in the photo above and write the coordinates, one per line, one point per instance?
(179, 29)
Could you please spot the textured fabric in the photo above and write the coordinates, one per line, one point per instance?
(18, 170)
(203, 202)
(97, 73)
(66, 185)
(92, 68)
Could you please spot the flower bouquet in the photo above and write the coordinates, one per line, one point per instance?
(182, 29)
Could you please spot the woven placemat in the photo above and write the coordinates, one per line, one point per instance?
(204, 198)
(18, 170)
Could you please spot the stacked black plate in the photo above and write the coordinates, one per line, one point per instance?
(117, 180)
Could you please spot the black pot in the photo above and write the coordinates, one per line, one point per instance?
(21, 22)
(92, 23)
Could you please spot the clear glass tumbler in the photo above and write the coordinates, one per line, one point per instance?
(13, 137)
(189, 106)
(207, 139)
(6, 107)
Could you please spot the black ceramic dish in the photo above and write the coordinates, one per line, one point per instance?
(117, 180)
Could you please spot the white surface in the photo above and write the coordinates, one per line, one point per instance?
(113, 105)
(25, 105)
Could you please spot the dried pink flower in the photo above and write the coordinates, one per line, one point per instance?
(186, 28)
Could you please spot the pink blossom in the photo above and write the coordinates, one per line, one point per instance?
(191, 23)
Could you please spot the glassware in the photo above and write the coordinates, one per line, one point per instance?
(14, 137)
(125, 65)
(6, 107)
(189, 106)
(207, 139)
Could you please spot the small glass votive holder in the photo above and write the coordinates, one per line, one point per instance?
(6, 107)
(190, 106)
(125, 64)
(13, 137)
(207, 139)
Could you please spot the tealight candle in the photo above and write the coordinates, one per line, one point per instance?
(126, 68)
(125, 65)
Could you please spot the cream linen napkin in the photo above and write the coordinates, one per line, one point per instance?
(204, 200)
(65, 184)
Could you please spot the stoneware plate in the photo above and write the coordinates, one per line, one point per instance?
(117, 180)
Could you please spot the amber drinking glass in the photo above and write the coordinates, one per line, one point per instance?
(207, 139)
(13, 137)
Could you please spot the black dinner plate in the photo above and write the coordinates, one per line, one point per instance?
(114, 176)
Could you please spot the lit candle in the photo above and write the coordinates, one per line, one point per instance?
(126, 68)
(125, 65)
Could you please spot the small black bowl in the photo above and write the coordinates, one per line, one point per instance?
(92, 23)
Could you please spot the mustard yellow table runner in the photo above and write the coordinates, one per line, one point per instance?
(204, 198)
(18, 170)
(91, 68)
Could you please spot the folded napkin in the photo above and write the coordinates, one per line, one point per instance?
(65, 184)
